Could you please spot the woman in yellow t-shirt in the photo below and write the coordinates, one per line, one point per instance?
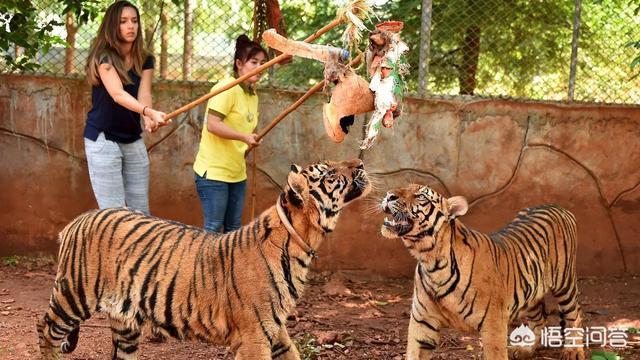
(232, 116)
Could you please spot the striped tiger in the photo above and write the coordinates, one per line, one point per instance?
(234, 289)
(472, 281)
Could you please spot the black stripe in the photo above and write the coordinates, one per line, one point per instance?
(425, 345)
(286, 269)
(264, 330)
(424, 322)
(272, 280)
(70, 297)
(168, 312)
(486, 310)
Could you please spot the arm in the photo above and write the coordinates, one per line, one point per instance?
(144, 96)
(112, 83)
(219, 128)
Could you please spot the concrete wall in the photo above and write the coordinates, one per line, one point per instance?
(501, 155)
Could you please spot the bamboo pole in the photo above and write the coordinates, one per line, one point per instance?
(296, 104)
(251, 73)
(254, 183)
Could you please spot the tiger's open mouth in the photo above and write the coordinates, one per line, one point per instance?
(398, 224)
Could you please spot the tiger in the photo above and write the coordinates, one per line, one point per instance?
(471, 281)
(234, 289)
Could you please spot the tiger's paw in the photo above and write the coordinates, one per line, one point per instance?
(51, 354)
(572, 354)
(521, 352)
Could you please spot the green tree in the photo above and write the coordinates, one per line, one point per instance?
(302, 19)
(522, 48)
(636, 45)
(23, 33)
(487, 45)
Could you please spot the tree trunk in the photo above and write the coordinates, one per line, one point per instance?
(470, 54)
(70, 50)
(148, 37)
(164, 44)
(148, 8)
(188, 41)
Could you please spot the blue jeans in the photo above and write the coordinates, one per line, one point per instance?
(222, 203)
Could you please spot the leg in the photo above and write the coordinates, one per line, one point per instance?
(125, 340)
(135, 172)
(537, 317)
(213, 197)
(233, 216)
(570, 317)
(284, 348)
(156, 335)
(254, 346)
(494, 335)
(422, 339)
(104, 160)
(424, 325)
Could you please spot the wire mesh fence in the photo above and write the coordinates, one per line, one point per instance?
(558, 50)
(203, 52)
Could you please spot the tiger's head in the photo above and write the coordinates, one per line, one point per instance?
(322, 189)
(417, 211)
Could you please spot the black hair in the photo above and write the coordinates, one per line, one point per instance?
(245, 50)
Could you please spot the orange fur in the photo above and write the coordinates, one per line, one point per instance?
(481, 282)
(234, 289)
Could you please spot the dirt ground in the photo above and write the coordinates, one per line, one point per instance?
(340, 316)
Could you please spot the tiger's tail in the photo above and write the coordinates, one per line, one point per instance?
(59, 328)
(58, 331)
(70, 343)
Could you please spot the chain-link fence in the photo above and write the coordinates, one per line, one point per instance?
(548, 50)
(191, 41)
(558, 50)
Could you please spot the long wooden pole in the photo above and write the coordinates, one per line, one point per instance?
(296, 104)
(251, 73)
(254, 183)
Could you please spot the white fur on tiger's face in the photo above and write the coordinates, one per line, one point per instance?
(415, 212)
(474, 281)
(327, 187)
(234, 289)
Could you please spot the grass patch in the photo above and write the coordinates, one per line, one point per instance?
(29, 262)
(11, 261)
(308, 347)
(604, 355)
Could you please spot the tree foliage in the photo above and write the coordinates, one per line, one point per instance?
(636, 45)
(517, 41)
(24, 33)
(519, 47)
(303, 18)
(491, 47)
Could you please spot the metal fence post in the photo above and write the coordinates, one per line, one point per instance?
(574, 48)
(425, 47)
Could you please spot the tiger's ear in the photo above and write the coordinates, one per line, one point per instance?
(298, 190)
(457, 206)
(296, 169)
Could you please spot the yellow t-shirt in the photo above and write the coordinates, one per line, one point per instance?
(223, 159)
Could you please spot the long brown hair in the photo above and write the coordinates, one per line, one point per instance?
(106, 44)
